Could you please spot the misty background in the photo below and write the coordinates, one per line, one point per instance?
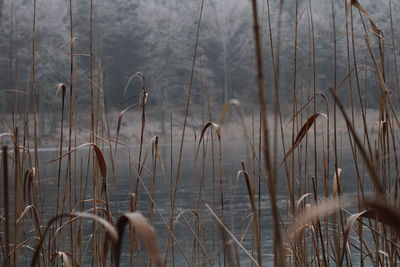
(157, 38)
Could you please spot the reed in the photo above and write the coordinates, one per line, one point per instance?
(297, 159)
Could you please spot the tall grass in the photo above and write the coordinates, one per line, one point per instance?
(292, 175)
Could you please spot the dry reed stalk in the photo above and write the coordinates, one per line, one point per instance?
(237, 242)
(132, 236)
(111, 232)
(357, 5)
(70, 120)
(92, 100)
(93, 131)
(155, 154)
(271, 181)
(108, 130)
(35, 216)
(146, 233)
(201, 244)
(312, 58)
(99, 155)
(356, 72)
(18, 191)
(303, 131)
(172, 208)
(256, 220)
(310, 215)
(64, 256)
(166, 224)
(368, 162)
(143, 101)
(360, 189)
(294, 102)
(61, 87)
(213, 173)
(224, 112)
(171, 178)
(28, 187)
(378, 148)
(394, 48)
(350, 222)
(276, 69)
(376, 209)
(217, 129)
(14, 99)
(233, 254)
(6, 203)
(120, 116)
(353, 148)
(200, 234)
(277, 116)
(221, 186)
(33, 89)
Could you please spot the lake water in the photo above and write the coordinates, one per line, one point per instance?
(236, 200)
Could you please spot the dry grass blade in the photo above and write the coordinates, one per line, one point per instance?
(336, 182)
(227, 106)
(99, 155)
(97, 209)
(168, 226)
(144, 230)
(35, 215)
(383, 212)
(350, 222)
(156, 152)
(303, 131)
(232, 254)
(305, 227)
(64, 256)
(137, 75)
(82, 202)
(301, 199)
(189, 95)
(67, 43)
(61, 87)
(6, 207)
(24, 243)
(380, 252)
(310, 215)
(217, 128)
(378, 73)
(249, 184)
(12, 137)
(111, 232)
(27, 186)
(120, 118)
(182, 214)
(367, 160)
(359, 67)
(234, 239)
(376, 210)
(357, 5)
(306, 104)
(13, 91)
(225, 110)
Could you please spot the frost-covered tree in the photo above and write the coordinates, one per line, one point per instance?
(156, 37)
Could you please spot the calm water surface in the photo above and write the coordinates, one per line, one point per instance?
(237, 208)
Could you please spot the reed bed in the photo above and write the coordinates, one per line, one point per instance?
(292, 173)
